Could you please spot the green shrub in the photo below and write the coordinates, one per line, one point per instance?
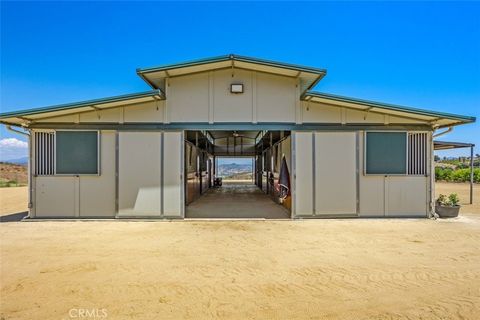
(443, 174)
(453, 199)
(458, 175)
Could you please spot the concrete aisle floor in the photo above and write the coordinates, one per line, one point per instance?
(236, 201)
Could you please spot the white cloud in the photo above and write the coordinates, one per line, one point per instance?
(13, 148)
(13, 143)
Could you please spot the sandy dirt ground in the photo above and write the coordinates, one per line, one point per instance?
(302, 269)
(13, 200)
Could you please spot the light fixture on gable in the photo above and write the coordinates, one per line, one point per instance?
(236, 88)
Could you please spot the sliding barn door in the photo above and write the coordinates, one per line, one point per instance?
(325, 174)
(303, 174)
(173, 160)
(336, 158)
(139, 174)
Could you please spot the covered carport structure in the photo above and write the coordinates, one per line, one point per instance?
(447, 145)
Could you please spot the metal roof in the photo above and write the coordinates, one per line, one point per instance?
(308, 76)
(438, 119)
(445, 145)
(22, 116)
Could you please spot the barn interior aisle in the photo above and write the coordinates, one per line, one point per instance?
(236, 200)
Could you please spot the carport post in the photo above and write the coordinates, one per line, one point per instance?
(471, 174)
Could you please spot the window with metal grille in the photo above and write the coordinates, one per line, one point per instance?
(417, 153)
(396, 153)
(66, 152)
(44, 153)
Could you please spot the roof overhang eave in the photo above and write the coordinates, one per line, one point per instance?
(437, 119)
(225, 62)
(24, 117)
(446, 145)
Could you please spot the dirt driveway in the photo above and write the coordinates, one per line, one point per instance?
(315, 269)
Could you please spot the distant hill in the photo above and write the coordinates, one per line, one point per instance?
(13, 175)
(233, 169)
(20, 161)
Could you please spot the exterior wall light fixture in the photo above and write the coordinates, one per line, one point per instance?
(236, 88)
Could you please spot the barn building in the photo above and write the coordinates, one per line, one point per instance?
(154, 154)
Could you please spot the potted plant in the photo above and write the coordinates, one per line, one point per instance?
(447, 207)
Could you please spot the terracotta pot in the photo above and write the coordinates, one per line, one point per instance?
(447, 211)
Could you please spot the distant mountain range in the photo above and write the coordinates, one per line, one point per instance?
(20, 161)
(232, 169)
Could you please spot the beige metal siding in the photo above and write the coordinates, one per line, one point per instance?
(335, 173)
(354, 116)
(61, 119)
(406, 196)
(144, 112)
(114, 115)
(206, 97)
(316, 112)
(276, 98)
(188, 98)
(139, 173)
(56, 196)
(228, 107)
(372, 196)
(173, 173)
(303, 167)
(97, 193)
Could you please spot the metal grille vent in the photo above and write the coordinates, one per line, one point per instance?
(417, 153)
(44, 153)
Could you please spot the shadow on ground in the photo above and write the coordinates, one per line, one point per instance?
(13, 217)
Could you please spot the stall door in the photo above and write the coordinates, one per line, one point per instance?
(172, 183)
(139, 174)
(325, 174)
(303, 174)
(335, 173)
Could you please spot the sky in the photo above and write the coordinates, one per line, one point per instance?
(417, 54)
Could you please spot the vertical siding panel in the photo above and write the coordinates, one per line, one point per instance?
(42, 153)
(420, 153)
(35, 139)
(415, 146)
(425, 141)
(417, 152)
(47, 136)
(420, 168)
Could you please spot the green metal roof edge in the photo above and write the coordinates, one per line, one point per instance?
(233, 57)
(86, 103)
(394, 107)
